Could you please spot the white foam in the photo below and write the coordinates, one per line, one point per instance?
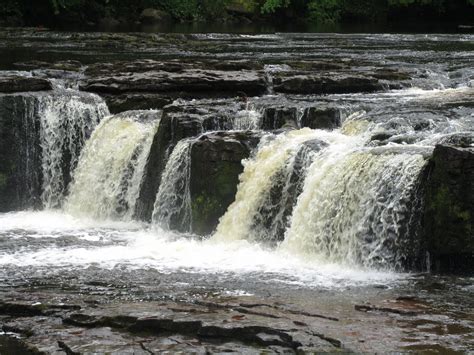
(167, 252)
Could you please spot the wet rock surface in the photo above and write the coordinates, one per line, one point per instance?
(216, 163)
(104, 289)
(449, 209)
(10, 84)
(50, 316)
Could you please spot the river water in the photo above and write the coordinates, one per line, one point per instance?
(339, 246)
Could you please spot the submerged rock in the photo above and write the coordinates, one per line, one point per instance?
(449, 209)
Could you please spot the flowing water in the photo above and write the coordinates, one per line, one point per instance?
(107, 180)
(66, 123)
(173, 201)
(321, 218)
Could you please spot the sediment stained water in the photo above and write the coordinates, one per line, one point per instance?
(66, 123)
(172, 209)
(107, 180)
(324, 242)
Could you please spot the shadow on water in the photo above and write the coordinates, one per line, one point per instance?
(264, 28)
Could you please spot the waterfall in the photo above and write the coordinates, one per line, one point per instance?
(328, 196)
(355, 206)
(248, 119)
(107, 180)
(48, 133)
(66, 122)
(274, 161)
(172, 209)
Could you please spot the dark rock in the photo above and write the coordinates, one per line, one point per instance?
(11, 84)
(136, 101)
(186, 83)
(390, 74)
(215, 169)
(172, 128)
(11, 345)
(67, 65)
(449, 210)
(160, 325)
(20, 153)
(98, 70)
(321, 118)
(19, 309)
(254, 334)
(279, 117)
(67, 349)
(325, 84)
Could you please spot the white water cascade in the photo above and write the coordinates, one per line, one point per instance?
(355, 203)
(172, 207)
(66, 121)
(248, 119)
(274, 157)
(354, 206)
(107, 180)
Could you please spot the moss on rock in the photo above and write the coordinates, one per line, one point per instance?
(449, 209)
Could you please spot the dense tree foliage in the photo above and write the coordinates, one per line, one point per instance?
(314, 11)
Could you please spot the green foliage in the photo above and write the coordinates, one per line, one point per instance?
(9, 7)
(316, 11)
(272, 5)
(325, 11)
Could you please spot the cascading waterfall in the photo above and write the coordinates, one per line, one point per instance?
(248, 119)
(274, 161)
(354, 205)
(67, 120)
(50, 129)
(107, 180)
(172, 209)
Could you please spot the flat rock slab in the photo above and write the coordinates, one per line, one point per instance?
(10, 84)
(188, 80)
(153, 327)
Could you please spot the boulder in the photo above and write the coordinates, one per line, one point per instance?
(16, 83)
(216, 163)
(449, 210)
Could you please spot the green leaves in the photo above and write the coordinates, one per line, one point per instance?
(272, 5)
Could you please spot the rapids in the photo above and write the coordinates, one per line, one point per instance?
(328, 208)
